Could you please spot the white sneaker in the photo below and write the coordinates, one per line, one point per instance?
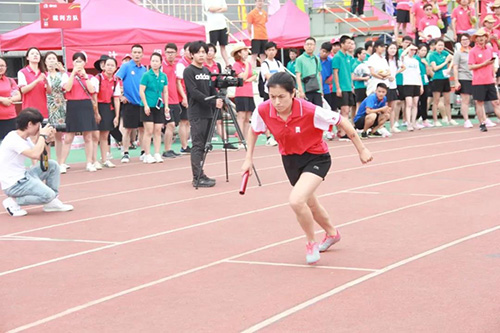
(468, 124)
(271, 142)
(418, 126)
(385, 133)
(329, 135)
(158, 158)
(148, 159)
(489, 123)
(241, 146)
(438, 124)
(404, 124)
(62, 168)
(445, 121)
(453, 122)
(91, 167)
(57, 206)
(108, 164)
(98, 165)
(427, 123)
(109, 156)
(394, 129)
(13, 208)
(141, 158)
(396, 124)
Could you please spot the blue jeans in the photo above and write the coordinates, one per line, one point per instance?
(31, 190)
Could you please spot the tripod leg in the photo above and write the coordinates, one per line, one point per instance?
(240, 135)
(208, 145)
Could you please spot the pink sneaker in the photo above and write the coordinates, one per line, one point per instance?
(426, 123)
(312, 253)
(489, 123)
(329, 241)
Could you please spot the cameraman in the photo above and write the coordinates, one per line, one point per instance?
(200, 112)
(26, 187)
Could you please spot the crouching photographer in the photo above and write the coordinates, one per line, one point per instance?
(39, 184)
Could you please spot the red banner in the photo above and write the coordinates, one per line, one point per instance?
(60, 15)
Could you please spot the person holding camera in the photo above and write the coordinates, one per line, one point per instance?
(200, 112)
(35, 186)
(81, 116)
(56, 103)
(153, 91)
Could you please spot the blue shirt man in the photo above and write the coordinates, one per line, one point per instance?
(373, 113)
(326, 73)
(371, 102)
(131, 74)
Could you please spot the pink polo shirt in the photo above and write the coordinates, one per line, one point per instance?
(483, 75)
(7, 87)
(301, 132)
(37, 97)
(463, 20)
(403, 5)
(418, 10)
(247, 89)
(169, 70)
(427, 21)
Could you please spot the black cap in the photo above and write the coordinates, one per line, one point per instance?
(97, 64)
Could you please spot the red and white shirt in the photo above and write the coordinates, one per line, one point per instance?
(36, 97)
(169, 70)
(483, 75)
(105, 87)
(7, 88)
(301, 132)
(77, 92)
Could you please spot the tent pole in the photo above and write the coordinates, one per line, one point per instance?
(63, 49)
(282, 55)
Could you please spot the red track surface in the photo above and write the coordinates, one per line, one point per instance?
(145, 252)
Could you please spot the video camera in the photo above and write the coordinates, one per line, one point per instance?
(57, 127)
(227, 78)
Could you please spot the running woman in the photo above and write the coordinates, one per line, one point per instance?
(298, 127)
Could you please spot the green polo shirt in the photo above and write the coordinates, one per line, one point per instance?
(438, 58)
(399, 77)
(357, 84)
(343, 62)
(423, 75)
(154, 86)
(308, 65)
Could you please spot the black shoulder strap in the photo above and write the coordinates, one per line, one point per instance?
(219, 67)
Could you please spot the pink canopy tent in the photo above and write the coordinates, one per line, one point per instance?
(108, 27)
(288, 27)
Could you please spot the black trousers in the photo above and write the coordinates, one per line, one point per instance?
(423, 108)
(200, 128)
(357, 7)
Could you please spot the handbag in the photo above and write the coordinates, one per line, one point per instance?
(311, 83)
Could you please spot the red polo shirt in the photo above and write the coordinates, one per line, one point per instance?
(181, 66)
(77, 93)
(169, 70)
(403, 5)
(483, 75)
(418, 10)
(36, 98)
(427, 21)
(301, 132)
(104, 87)
(463, 20)
(7, 88)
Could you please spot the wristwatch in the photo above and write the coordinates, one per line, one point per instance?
(45, 137)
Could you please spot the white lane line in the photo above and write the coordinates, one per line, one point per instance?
(264, 263)
(362, 279)
(372, 165)
(398, 193)
(47, 239)
(199, 268)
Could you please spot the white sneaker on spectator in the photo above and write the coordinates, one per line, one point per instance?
(67, 166)
(62, 168)
(438, 124)
(394, 129)
(109, 156)
(427, 123)
(13, 208)
(453, 122)
(90, 167)
(97, 165)
(108, 164)
(148, 159)
(241, 146)
(489, 123)
(419, 126)
(141, 158)
(57, 206)
(158, 158)
(271, 142)
(396, 124)
(445, 121)
(404, 124)
(385, 133)
(329, 135)
(468, 124)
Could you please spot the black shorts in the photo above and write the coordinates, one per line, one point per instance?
(295, 165)
(175, 114)
(219, 36)
(401, 93)
(484, 92)
(360, 123)
(156, 116)
(244, 104)
(131, 115)
(330, 99)
(347, 99)
(441, 86)
(392, 95)
(402, 16)
(315, 98)
(184, 113)
(411, 91)
(6, 126)
(258, 46)
(465, 87)
(360, 94)
(498, 72)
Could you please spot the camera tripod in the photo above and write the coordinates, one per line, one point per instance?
(208, 143)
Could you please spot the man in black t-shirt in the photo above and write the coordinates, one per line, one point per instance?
(200, 112)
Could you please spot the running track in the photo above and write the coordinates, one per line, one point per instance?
(145, 252)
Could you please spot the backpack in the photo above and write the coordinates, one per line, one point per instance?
(262, 81)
